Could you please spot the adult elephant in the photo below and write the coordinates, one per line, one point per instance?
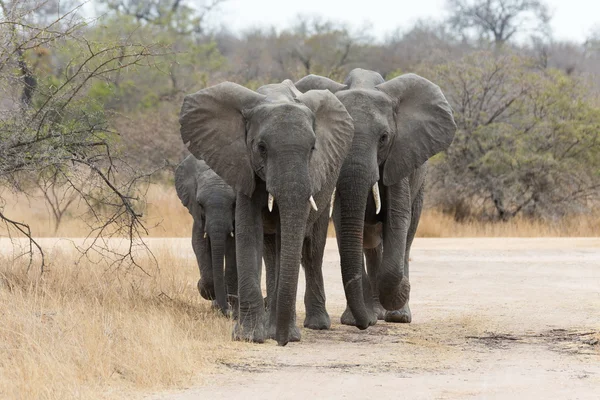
(281, 151)
(398, 126)
(211, 202)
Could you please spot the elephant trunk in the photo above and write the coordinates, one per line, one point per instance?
(218, 227)
(293, 218)
(357, 176)
(288, 183)
(353, 195)
(217, 246)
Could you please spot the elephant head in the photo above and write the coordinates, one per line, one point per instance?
(398, 125)
(211, 202)
(281, 140)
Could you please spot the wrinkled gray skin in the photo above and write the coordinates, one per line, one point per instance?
(291, 145)
(211, 202)
(398, 125)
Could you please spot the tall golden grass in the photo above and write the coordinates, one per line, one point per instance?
(434, 223)
(166, 217)
(77, 332)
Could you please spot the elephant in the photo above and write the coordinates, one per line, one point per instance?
(398, 125)
(281, 150)
(211, 202)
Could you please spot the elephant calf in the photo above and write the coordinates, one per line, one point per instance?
(211, 202)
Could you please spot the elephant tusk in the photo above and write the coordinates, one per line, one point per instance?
(271, 201)
(375, 190)
(204, 235)
(332, 201)
(231, 233)
(313, 204)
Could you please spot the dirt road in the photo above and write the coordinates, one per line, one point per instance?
(492, 319)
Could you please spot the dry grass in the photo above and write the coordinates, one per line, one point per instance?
(436, 224)
(77, 332)
(166, 217)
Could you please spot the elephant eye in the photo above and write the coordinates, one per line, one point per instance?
(383, 139)
(262, 148)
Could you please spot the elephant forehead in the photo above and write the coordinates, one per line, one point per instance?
(279, 92)
(368, 107)
(215, 193)
(282, 116)
(365, 99)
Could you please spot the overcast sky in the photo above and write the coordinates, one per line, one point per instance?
(572, 19)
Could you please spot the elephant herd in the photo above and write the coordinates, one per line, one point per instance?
(270, 167)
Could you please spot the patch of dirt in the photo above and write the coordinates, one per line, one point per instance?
(560, 340)
(492, 319)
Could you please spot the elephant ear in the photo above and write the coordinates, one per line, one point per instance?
(424, 124)
(334, 131)
(188, 179)
(212, 122)
(184, 185)
(316, 82)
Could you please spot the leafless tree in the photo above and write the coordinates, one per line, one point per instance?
(58, 194)
(60, 131)
(498, 20)
(428, 42)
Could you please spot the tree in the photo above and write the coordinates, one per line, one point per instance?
(425, 42)
(54, 125)
(178, 15)
(498, 20)
(322, 47)
(312, 45)
(528, 140)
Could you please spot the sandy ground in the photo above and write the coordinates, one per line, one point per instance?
(492, 319)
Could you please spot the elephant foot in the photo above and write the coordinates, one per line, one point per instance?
(250, 328)
(348, 319)
(394, 296)
(295, 335)
(206, 289)
(227, 312)
(294, 332)
(402, 316)
(255, 334)
(317, 321)
(233, 306)
(379, 310)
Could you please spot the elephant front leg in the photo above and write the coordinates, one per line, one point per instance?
(312, 260)
(372, 241)
(231, 278)
(404, 314)
(249, 246)
(373, 257)
(392, 282)
(347, 317)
